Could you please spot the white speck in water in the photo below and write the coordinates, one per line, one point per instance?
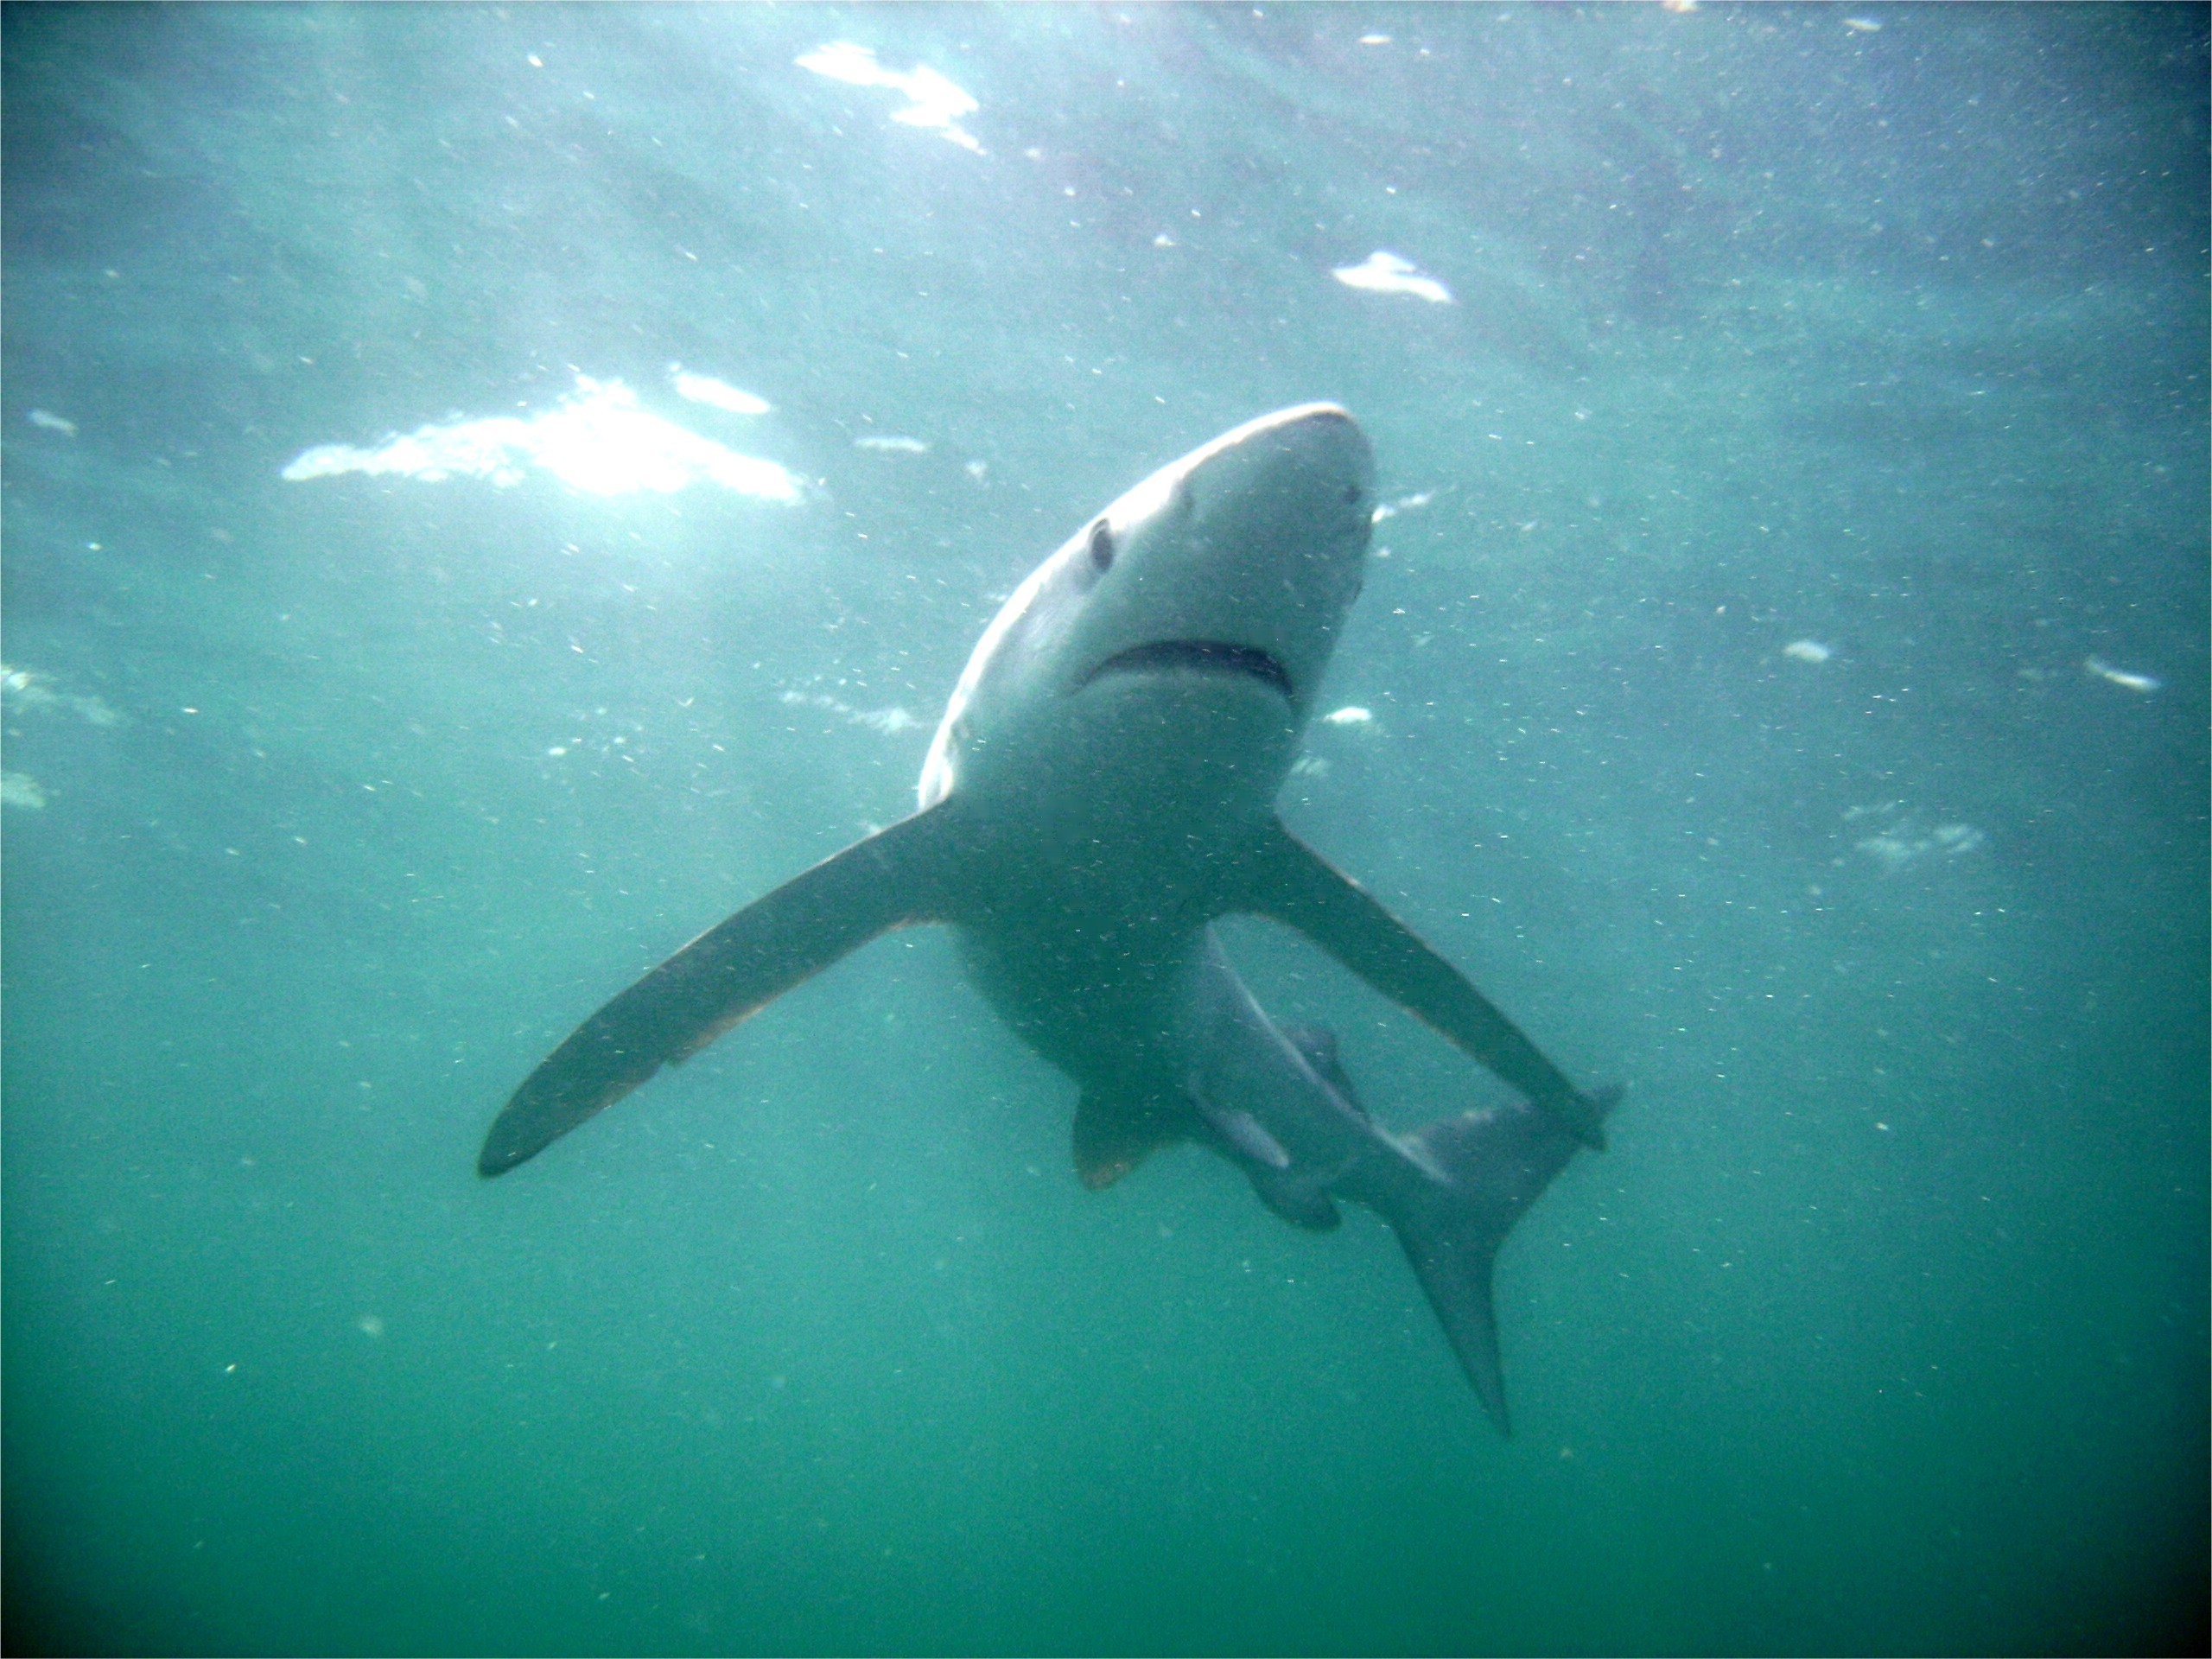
(719, 394)
(1384, 273)
(2122, 677)
(934, 103)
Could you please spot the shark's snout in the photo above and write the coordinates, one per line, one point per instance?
(1241, 559)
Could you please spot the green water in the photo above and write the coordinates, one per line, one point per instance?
(337, 800)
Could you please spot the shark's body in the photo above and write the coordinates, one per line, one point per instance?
(1101, 790)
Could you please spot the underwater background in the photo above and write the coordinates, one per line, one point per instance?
(489, 490)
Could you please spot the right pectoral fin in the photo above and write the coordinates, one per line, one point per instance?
(1283, 879)
(894, 877)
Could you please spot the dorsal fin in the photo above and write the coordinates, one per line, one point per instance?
(1112, 1137)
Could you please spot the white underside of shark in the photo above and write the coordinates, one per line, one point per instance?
(1100, 791)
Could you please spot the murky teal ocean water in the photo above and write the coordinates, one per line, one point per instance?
(1788, 692)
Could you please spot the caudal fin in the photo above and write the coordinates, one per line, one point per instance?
(1455, 1271)
(1494, 1166)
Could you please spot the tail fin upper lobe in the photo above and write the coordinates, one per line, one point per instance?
(1497, 1165)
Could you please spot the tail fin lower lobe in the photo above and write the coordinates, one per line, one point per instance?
(1496, 1163)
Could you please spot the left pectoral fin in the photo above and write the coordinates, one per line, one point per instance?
(1286, 881)
(896, 876)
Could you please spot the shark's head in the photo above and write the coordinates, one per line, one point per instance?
(1182, 634)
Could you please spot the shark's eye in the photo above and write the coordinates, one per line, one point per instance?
(1354, 495)
(1102, 545)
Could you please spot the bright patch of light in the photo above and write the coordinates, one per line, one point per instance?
(935, 101)
(897, 446)
(25, 689)
(705, 389)
(1383, 272)
(1899, 838)
(596, 440)
(1404, 504)
(1350, 714)
(889, 721)
(2146, 683)
(1808, 651)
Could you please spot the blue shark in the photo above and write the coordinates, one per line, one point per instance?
(1099, 793)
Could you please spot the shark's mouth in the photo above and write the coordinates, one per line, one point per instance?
(1198, 656)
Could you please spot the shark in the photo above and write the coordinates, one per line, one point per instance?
(1099, 793)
